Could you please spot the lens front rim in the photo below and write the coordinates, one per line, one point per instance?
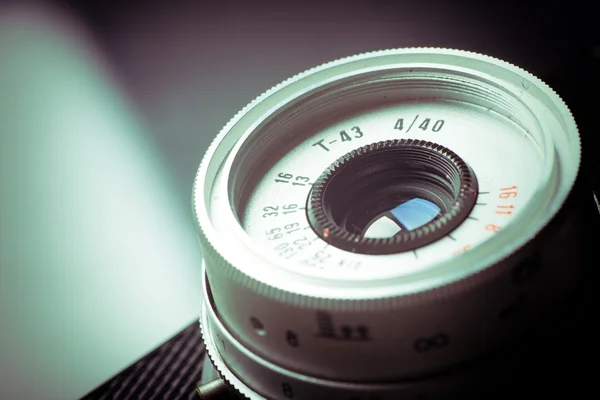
(319, 211)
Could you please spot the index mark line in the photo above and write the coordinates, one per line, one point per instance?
(473, 218)
(452, 237)
(481, 204)
(415, 253)
(412, 123)
(484, 192)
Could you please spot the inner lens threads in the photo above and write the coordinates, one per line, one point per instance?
(391, 196)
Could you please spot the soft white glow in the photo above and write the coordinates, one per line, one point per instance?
(383, 227)
(99, 262)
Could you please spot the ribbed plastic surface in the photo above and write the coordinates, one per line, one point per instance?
(171, 371)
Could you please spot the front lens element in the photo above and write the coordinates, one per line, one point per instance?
(391, 196)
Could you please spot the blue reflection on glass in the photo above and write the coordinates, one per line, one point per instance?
(415, 213)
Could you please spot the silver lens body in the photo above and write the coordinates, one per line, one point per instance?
(286, 314)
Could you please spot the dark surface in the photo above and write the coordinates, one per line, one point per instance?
(554, 40)
(170, 372)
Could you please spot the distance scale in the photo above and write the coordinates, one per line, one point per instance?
(371, 223)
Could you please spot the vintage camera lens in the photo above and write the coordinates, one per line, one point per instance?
(379, 226)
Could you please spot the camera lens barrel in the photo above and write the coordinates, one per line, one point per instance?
(374, 226)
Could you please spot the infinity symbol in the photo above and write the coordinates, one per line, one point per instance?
(422, 345)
